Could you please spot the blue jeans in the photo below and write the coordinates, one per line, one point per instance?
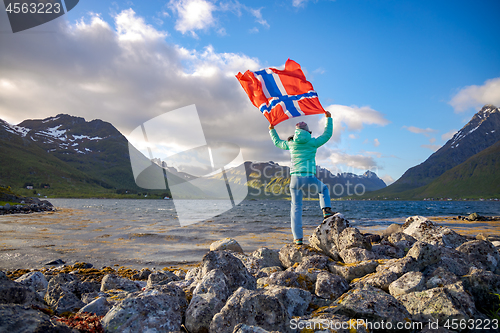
(299, 185)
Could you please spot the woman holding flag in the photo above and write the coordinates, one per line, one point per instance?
(303, 171)
(281, 95)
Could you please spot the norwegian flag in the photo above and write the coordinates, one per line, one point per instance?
(281, 94)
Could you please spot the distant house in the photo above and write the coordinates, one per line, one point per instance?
(29, 187)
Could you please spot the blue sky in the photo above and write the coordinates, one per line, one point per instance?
(400, 77)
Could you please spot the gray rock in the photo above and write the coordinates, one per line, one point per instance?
(440, 277)
(34, 279)
(16, 318)
(159, 278)
(399, 266)
(402, 240)
(291, 254)
(251, 263)
(380, 280)
(482, 253)
(386, 250)
(295, 300)
(226, 244)
(143, 274)
(330, 286)
(373, 304)
(14, 292)
(252, 308)
(351, 237)
(208, 299)
(325, 236)
(484, 286)
(155, 310)
(193, 273)
(312, 266)
(267, 271)
(99, 307)
(236, 273)
(112, 281)
(353, 271)
(439, 304)
(356, 254)
(409, 282)
(60, 294)
(269, 257)
(425, 230)
(290, 278)
(181, 274)
(425, 254)
(454, 261)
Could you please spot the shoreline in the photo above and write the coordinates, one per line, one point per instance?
(32, 240)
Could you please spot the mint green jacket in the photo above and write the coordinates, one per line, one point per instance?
(303, 148)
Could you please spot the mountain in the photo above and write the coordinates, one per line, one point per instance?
(480, 133)
(269, 179)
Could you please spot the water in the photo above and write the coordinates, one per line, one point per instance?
(277, 211)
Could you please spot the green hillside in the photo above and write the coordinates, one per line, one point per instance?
(478, 177)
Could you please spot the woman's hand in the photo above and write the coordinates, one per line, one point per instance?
(328, 114)
(271, 126)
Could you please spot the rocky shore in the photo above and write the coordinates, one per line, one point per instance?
(415, 277)
(27, 206)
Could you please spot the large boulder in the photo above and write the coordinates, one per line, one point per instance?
(325, 236)
(159, 278)
(35, 280)
(226, 244)
(100, 306)
(351, 237)
(356, 254)
(113, 281)
(330, 286)
(373, 304)
(440, 277)
(381, 280)
(482, 254)
(440, 304)
(401, 240)
(399, 266)
(353, 271)
(154, 310)
(295, 300)
(484, 286)
(289, 278)
(409, 282)
(454, 261)
(15, 318)
(236, 273)
(292, 254)
(208, 298)
(254, 308)
(243, 328)
(268, 257)
(424, 253)
(425, 230)
(14, 292)
(60, 294)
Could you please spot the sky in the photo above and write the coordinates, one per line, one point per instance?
(399, 77)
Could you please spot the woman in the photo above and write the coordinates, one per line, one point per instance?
(303, 171)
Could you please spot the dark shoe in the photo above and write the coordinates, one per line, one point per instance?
(327, 212)
(298, 241)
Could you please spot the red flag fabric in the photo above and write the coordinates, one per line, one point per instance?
(281, 94)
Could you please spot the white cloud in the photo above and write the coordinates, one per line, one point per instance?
(338, 161)
(476, 96)
(353, 118)
(416, 130)
(388, 180)
(299, 3)
(448, 135)
(131, 27)
(193, 15)
(376, 142)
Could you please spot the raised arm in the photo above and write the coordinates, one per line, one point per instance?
(276, 139)
(327, 133)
